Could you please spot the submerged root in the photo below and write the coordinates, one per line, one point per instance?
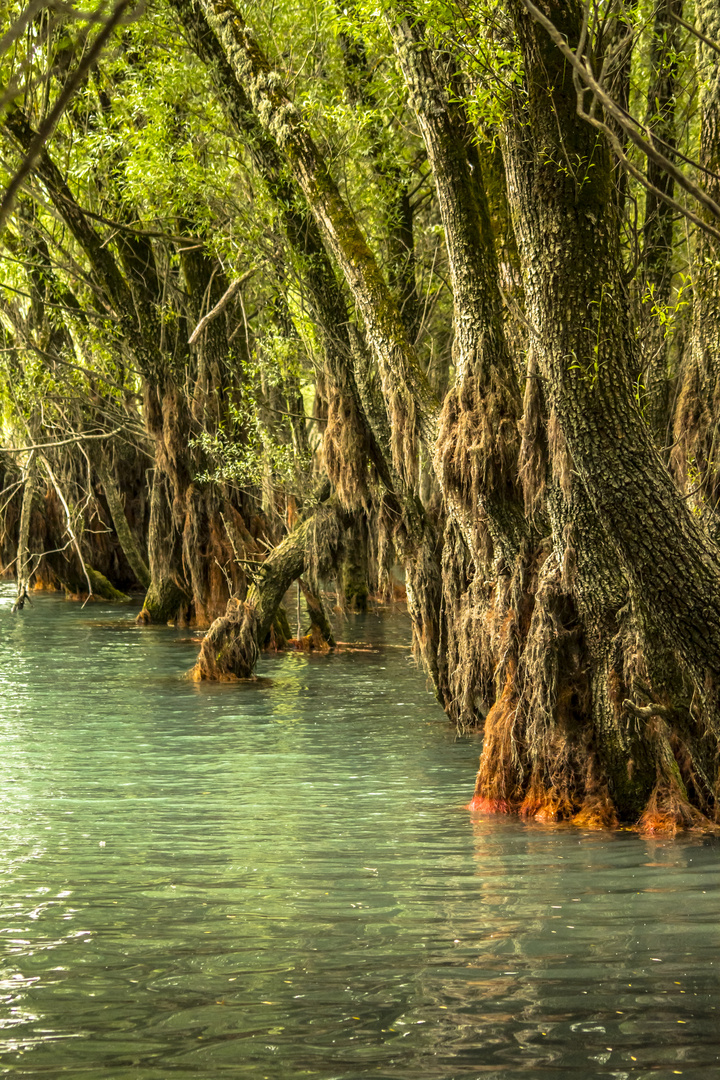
(597, 812)
(538, 759)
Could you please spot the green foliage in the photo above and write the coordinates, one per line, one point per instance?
(667, 313)
(244, 451)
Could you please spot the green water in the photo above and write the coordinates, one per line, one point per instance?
(280, 881)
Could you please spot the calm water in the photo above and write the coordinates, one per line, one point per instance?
(280, 881)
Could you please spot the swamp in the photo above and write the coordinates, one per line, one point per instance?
(360, 539)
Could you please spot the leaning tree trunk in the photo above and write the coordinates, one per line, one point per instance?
(631, 518)
(231, 647)
(359, 430)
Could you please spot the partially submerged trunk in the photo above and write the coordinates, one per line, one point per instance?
(641, 593)
(167, 597)
(231, 646)
(25, 564)
(476, 458)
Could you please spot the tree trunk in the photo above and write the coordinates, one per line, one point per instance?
(232, 644)
(410, 399)
(695, 455)
(167, 597)
(128, 542)
(633, 523)
(24, 567)
(478, 444)
(658, 227)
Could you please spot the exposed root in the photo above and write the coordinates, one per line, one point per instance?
(537, 758)
(669, 812)
(478, 443)
(229, 650)
(597, 812)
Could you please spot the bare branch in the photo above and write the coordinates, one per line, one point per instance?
(582, 68)
(62, 442)
(220, 306)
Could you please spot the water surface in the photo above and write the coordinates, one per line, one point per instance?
(279, 881)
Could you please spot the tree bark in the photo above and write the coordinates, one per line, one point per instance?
(696, 431)
(24, 567)
(562, 193)
(658, 226)
(128, 542)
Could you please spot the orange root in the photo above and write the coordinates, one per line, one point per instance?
(480, 805)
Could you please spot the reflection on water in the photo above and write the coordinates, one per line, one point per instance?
(280, 881)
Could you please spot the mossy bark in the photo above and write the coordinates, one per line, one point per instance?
(232, 644)
(643, 579)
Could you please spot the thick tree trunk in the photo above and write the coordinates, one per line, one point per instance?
(478, 445)
(631, 521)
(479, 441)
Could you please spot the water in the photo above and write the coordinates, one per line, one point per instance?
(280, 881)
